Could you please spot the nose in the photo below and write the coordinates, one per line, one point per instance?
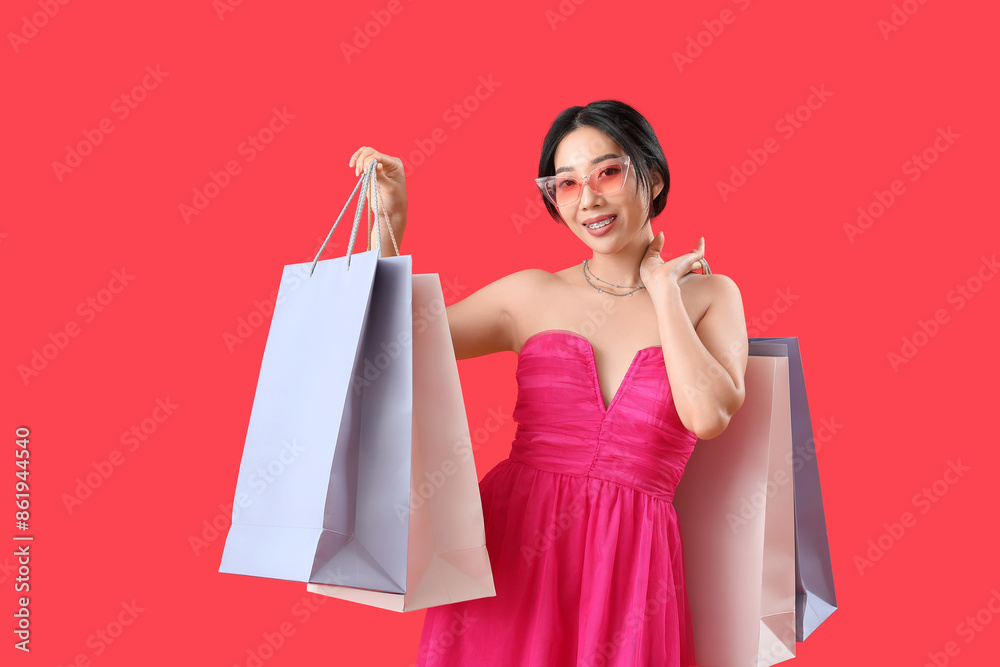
(588, 196)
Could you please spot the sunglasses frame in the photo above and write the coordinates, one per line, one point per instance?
(542, 182)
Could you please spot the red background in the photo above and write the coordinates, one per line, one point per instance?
(162, 335)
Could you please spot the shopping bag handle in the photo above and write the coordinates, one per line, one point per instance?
(370, 191)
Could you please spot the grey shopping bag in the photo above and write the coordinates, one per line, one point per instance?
(735, 504)
(815, 597)
(332, 414)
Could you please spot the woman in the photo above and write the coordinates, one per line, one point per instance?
(624, 361)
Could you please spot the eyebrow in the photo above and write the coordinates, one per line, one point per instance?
(599, 158)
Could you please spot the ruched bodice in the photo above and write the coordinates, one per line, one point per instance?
(563, 426)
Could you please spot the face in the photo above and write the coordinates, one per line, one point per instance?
(578, 154)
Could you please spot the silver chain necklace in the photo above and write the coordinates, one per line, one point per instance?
(599, 289)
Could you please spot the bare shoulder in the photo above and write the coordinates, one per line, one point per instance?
(700, 291)
(532, 295)
(489, 320)
(528, 285)
(530, 278)
(515, 287)
(708, 287)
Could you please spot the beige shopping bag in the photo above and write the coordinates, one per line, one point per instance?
(447, 560)
(735, 504)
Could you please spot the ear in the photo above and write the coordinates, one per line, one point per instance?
(657, 182)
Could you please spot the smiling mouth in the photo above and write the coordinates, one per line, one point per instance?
(602, 223)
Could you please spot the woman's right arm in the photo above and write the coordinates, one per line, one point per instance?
(484, 321)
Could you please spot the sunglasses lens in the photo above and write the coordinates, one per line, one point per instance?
(565, 191)
(606, 179)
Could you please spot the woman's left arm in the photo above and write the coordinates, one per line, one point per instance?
(705, 365)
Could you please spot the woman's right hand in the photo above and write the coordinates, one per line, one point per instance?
(391, 182)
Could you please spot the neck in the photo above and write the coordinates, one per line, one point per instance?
(622, 267)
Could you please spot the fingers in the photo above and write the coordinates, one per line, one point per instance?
(355, 156)
(699, 254)
(656, 245)
(695, 257)
(362, 158)
(367, 155)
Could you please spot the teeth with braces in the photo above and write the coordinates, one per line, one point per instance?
(602, 223)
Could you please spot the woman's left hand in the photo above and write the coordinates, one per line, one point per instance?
(657, 274)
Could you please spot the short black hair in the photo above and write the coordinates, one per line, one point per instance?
(623, 124)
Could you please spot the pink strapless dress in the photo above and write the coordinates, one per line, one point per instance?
(582, 535)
